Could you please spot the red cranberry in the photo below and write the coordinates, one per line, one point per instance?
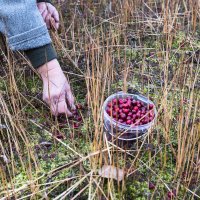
(115, 106)
(143, 108)
(129, 118)
(138, 115)
(120, 111)
(125, 105)
(170, 195)
(109, 104)
(133, 121)
(151, 114)
(121, 120)
(134, 111)
(134, 102)
(79, 106)
(114, 114)
(124, 100)
(108, 111)
(144, 122)
(135, 108)
(125, 110)
(150, 119)
(134, 116)
(114, 101)
(151, 106)
(79, 118)
(128, 122)
(116, 109)
(130, 114)
(146, 119)
(123, 116)
(120, 105)
(75, 125)
(139, 105)
(151, 186)
(128, 103)
(121, 101)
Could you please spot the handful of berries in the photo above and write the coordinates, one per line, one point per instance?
(130, 111)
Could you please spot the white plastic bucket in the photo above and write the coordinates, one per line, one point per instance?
(123, 131)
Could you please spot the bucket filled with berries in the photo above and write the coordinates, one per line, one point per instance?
(128, 116)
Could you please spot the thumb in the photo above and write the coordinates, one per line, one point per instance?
(70, 99)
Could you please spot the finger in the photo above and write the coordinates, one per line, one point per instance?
(55, 15)
(70, 99)
(53, 109)
(52, 105)
(47, 20)
(57, 25)
(62, 108)
(44, 14)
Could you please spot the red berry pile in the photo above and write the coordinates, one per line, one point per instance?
(130, 111)
(75, 119)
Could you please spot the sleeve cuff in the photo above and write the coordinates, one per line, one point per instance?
(47, 1)
(41, 55)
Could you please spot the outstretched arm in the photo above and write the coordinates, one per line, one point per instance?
(25, 29)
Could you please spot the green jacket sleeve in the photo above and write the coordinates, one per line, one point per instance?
(48, 1)
(23, 25)
(41, 55)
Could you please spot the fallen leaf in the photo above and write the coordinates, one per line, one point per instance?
(46, 144)
(108, 171)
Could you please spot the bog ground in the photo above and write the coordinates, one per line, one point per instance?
(150, 47)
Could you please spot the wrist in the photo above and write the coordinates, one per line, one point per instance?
(50, 69)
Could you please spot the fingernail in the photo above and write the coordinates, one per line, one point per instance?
(73, 107)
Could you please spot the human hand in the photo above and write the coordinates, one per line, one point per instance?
(56, 89)
(49, 14)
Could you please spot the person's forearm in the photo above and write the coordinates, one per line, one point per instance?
(49, 69)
